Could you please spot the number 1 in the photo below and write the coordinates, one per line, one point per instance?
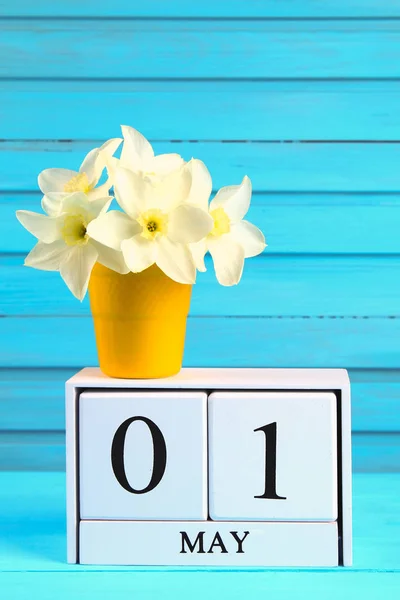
(270, 462)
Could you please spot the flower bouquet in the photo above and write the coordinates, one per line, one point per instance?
(140, 262)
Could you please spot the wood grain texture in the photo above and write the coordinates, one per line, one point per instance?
(292, 223)
(376, 453)
(207, 8)
(32, 554)
(173, 584)
(33, 400)
(32, 516)
(308, 585)
(45, 451)
(206, 110)
(301, 96)
(278, 286)
(32, 451)
(351, 343)
(129, 49)
(272, 167)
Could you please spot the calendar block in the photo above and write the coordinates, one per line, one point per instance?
(234, 467)
(273, 456)
(143, 455)
(209, 543)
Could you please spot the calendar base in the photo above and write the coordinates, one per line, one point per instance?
(278, 468)
(208, 543)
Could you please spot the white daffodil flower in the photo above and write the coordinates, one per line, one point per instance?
(158, 225)
(231, 239)
(137, 155)
(201, 184)
(56, 184)
(64, 244)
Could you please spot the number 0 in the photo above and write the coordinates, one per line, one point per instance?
(159, 457)
(270, 462)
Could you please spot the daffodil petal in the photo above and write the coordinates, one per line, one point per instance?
(188, 224)
(171, 191)
(52, 203)
(99, 206)
(250, 237)
(228, 257)
(76, 268)
(132, 191)
(45, 228)
(201, 184)
(175, 260)
(110, 146)
(136, 150)
(53, 180)
(100, 191)
(139, 253)
(99, 161)
(77, 202)
(163, 164)
(47, 257)
(234, 199)
(112, 163)
(112, 228)
(112, 259)
(88, 166)
(198, 251)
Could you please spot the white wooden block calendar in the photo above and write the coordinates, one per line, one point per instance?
(213, 467)
(158, 443)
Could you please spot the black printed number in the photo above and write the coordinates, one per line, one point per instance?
(159, 455)
(270, 462)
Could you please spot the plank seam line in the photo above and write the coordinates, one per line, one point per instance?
(374, 432)
(271, 192)
(6, 79)
(220, 317)
(130, 571)
(379, 256)
(291, 193)
(60, 432)
(53, 141)
(364, 370)
(32, 432)
(200, 18)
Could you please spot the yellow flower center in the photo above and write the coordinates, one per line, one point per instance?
(150, 175)
(73, 230)
(78, 183)
(154, 222)
(222, 223)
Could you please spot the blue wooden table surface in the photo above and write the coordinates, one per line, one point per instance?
(33, 545)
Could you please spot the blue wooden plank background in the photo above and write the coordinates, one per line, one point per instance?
(304, 97)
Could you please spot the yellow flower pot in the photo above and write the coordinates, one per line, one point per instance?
(140, 322)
